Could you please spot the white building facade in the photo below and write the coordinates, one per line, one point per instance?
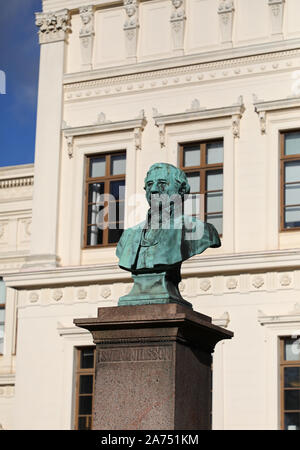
(211, 86)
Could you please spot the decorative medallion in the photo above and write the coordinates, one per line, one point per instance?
(81, 294)
(258, 282)
(105, 292)
(205, 285)
(57, 295)
(285, 280)
(33, 297)
(231, 283)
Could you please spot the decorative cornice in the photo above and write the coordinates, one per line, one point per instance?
(275, 319)
(195, 113)
(53, 26)
(263, 107)
(105, 126)
(16, 182)
(240, 263)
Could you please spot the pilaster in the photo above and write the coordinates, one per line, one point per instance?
(86, 36)
(276, 12)
(131, 28)
(226, 11)
(177, 20)
(53, 31)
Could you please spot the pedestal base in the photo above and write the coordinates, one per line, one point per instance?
(153, 367)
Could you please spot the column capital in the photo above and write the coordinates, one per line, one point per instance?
(53, 26)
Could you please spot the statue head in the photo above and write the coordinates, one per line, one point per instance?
(130, 7)
(177, 3)
(163, 178)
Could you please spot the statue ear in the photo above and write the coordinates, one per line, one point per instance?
(184, 188)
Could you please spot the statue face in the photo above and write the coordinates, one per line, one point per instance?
(160, 181)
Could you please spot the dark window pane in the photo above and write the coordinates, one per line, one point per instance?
(191, 156)
(214, 154)
(292, 216)
(118, 165)
(117, 189)
(95, 191)
(86, 384)
(292, 377)
(292, 194)
(116, 211)
(97, 167)
(292, 172)
(291, 350)
(85, 404)
(96, 214)
(292, 399)
(194, 181)
(292, 143)
(214, 181)
(87, 358)
(114, 235)
(214, 202)
(216, 220)
(192, 205)
(85, 423)
(94, 235)
(292, 421)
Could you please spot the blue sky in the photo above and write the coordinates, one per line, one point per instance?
(19, 59)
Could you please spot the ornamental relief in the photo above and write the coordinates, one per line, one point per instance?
(191, 288)
(182, 76)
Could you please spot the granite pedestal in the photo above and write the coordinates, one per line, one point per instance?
(153, 367)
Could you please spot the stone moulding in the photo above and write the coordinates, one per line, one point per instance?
(137, 125)
(263, 107)
(16, 182)
(220, 59)
(274, 319)
(196, 114)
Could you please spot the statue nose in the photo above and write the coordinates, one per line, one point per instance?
(154, 189)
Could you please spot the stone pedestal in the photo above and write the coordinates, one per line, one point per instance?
(153, 367)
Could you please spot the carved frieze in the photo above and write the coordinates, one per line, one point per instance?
(54, 26)
(86, 36)
(226, 11)
(131, 27)
(177, 20)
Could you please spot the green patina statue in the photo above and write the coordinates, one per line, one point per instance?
(154, 250)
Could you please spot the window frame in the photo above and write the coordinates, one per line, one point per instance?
(106, 180)
(283, 159)
(203, 169)
(282, 365)
(81, 371)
